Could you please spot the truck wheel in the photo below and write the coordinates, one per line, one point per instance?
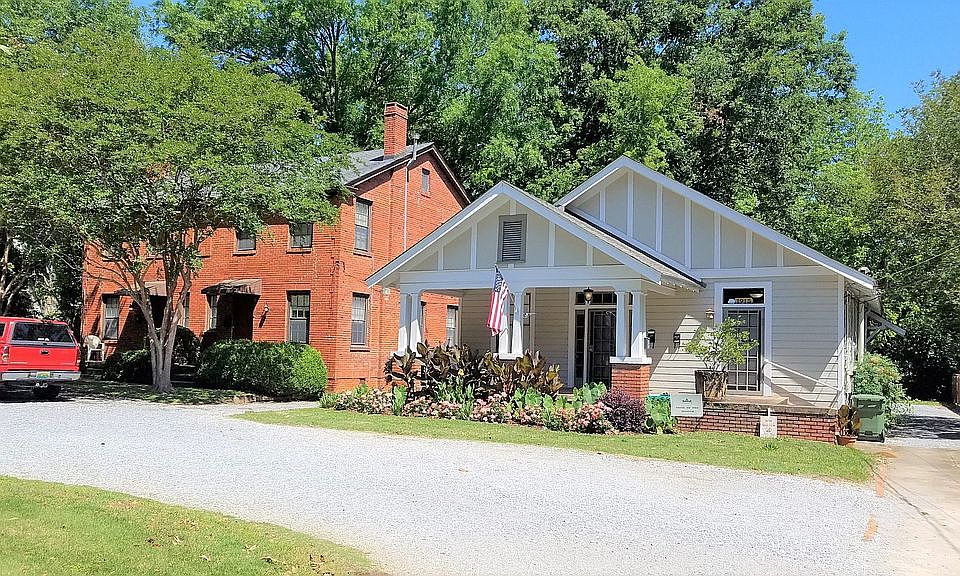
(46, 392)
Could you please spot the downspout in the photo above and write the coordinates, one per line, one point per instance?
(406, 186)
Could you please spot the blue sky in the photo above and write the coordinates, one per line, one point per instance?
(897, 43)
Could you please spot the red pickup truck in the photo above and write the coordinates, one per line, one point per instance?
(41, 353)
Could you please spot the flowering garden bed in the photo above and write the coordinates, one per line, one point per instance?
(454, 383)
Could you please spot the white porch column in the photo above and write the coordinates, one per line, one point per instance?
(516, 347)
(503, 338)
(416, 334)
(638, 341)
(403, 332)
(861, 329)
(622, 337)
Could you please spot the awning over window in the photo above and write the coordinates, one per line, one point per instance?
(245, 286)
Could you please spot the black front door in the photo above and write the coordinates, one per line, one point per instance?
(745, 377)
(602, 345)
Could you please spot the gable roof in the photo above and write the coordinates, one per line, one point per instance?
(710, 204)
(627, 255)
(367, 164)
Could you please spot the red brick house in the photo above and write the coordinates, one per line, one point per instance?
(304, 282)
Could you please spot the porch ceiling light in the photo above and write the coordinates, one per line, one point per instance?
(588, 295)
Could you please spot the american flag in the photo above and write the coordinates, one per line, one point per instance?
(499, 295)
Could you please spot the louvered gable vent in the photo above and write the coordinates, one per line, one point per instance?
(513, 238)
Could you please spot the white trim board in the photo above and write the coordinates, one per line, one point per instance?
(704, 201)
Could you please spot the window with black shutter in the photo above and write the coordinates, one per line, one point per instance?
(298, 320)
(513, 238)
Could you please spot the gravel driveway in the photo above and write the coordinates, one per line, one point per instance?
(438, 507)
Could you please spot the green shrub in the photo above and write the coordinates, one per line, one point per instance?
(186, 347)
(132, 366)
(659, 420)
(329, 399)
(281, 369)
(877, 374)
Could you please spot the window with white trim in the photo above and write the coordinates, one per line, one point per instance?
(358, 320)
(298, 320)
(246, 241)
(111, 318)
(361, 226)
(301, 234)
(513, 238)
(453, 325)
(212, 302)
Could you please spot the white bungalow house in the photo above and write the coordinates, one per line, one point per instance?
(659, 260)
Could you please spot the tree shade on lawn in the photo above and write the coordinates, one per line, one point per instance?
(50, 528)
(782, 455)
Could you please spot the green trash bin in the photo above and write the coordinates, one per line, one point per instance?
(873, 420)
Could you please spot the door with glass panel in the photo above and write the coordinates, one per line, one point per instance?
(745, 376)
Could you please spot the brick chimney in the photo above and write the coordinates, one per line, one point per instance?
(394, 128)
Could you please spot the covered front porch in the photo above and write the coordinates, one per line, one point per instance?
(589, 331)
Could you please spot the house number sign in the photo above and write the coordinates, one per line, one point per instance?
(686, 405)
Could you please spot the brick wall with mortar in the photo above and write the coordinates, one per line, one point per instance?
(332, 271)
(634, 379)
(796, 422)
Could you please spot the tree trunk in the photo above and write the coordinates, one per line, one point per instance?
(161, 360)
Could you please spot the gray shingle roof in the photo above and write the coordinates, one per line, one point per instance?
(367, 163)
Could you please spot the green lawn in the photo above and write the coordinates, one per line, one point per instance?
(124, 391)
(780, 455)
(53, 529)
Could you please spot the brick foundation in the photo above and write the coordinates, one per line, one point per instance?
(634, 379)
(792, 421)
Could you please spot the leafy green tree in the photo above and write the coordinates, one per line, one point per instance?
(143, 152)
(474, 74)
(37, 261)
(915, 238)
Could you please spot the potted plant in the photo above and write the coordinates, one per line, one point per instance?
(718, 347)
(848, 425)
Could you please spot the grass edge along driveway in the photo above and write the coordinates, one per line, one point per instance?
(48, 528)
(781, 455)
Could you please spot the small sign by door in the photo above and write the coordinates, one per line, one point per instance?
(686, 405)
(768, 426)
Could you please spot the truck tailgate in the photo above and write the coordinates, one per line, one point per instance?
(42, 357)
(41, 346)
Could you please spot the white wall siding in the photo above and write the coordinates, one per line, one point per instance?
(474, 306)
(552, 325)
(804, 339)
(672, 369)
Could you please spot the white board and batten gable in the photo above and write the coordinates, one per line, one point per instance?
(505, 223)
(691, 231)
